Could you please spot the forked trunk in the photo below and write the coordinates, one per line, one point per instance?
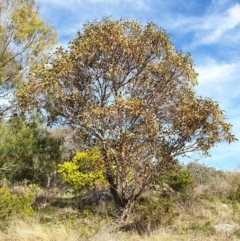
(124, 205)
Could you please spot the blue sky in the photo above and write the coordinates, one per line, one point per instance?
(208, 29)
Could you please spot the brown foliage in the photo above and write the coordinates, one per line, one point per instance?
(126, 88)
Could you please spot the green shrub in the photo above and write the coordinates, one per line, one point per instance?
(178, 183)
(12, 204)
(150, 213)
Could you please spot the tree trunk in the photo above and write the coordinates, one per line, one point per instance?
(124, 205)
(127, 210)
(113, 186)
(117, 199)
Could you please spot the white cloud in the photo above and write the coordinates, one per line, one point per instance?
(220, 81)
(217, 25)
(212, 72)
(69, 16)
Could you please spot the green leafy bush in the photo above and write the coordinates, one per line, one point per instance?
(150, 213)
(12, 204)
(177, 182)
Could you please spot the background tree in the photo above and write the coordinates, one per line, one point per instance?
(126, 88)
(23, 39)
(73, 141)
(28, 151)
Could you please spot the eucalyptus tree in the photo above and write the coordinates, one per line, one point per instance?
(24, 37)
(125, 87)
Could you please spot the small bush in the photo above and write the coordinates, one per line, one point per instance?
(150, 213)
(12, 204)
(234, 195)
(156, 208)
(177, 183)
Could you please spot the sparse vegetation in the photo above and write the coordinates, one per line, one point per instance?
(130, 94)
(160, 214)
(123, 108)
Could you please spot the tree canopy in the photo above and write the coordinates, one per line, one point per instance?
(24, 37)
(125, 87)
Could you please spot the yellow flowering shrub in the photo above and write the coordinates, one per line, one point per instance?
(84, 171)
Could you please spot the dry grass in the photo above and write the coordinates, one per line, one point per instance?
(195, 221)
(219, 185)
(31, 231)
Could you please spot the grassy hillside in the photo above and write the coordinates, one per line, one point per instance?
(209, 209)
